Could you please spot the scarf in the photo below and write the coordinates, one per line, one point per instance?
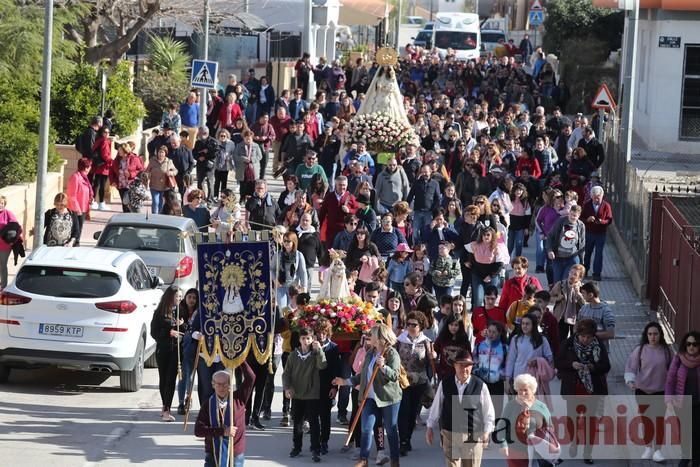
(586, 354)
(690, 361)
(87, 182)
(220, 416)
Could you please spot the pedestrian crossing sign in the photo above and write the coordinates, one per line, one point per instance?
(204, 74)
(536, 18)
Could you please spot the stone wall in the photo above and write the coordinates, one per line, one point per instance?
(21, 200)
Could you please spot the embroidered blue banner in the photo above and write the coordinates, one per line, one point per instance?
(234, 292)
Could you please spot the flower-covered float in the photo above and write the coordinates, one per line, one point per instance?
(349, 316)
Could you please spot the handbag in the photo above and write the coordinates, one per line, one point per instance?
(368, 268)
(546, 446)
(429, 393)
(249, 173)
(171, 182)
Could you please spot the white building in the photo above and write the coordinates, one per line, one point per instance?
(667, 110)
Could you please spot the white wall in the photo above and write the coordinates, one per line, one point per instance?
(659, 79)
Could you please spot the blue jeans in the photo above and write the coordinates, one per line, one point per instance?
(561, 266)
(420, 219)
(282, 297)
(189, 352)
(478, 288)
(540, 252)
(156, 201)
(390, 416)
(442, 291)
(515, 241)
(237, 460)
(594, 241)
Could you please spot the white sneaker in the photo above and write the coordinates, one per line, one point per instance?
(93, 206)
(658, 457)
(103, 207)
(648, 451)
(166, 417)
(382, 458)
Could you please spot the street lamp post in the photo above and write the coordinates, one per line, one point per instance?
(205, 94)
(629, 76)
(42, 159)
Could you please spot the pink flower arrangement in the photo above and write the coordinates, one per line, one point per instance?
(348, 316)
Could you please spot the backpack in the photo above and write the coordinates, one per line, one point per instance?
(82, 145)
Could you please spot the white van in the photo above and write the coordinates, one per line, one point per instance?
(457, 31)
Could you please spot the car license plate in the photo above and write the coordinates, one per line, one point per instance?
(153, 271)
(60, 330)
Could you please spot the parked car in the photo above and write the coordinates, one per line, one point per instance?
(491, 38)
(80, 308)
(415, 20)
(425, 37)
(165, 243)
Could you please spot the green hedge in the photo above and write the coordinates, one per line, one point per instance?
(77, 97)
(19, 132)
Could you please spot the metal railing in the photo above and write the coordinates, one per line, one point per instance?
(629, 198)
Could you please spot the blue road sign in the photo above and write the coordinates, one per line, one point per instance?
(536, 17)
(204, 74)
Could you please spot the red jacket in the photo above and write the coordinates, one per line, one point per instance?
(532, 164)
(203, 426)
(281, 127)
(481, 318)
(228, 114)
(134, 166)
(602, 220)
(332, 217)
(514, 289)
(103, 148)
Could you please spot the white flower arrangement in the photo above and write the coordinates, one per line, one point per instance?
(381, 131)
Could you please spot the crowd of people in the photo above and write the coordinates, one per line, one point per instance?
(433, 236)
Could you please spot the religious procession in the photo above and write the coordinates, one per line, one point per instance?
(427, 280)
(429, 317)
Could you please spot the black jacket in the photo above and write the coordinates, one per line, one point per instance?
(594, 150)
(207, 148)
(425, 195)
(262, 211)
(568, 376)
(311, 247)
(182, 160)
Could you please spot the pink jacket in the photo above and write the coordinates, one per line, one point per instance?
(5, 218)
(543, 373)
(79, 193)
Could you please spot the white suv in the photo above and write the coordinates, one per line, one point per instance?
(79, 308)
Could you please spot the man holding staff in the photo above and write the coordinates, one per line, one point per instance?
(221, 437)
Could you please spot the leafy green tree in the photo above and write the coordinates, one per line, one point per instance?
(577, 19)
(19, 128)
(166, 77)
(77, 97)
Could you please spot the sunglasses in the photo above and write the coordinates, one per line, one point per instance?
(692, 343)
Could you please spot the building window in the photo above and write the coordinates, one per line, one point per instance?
(690, 104)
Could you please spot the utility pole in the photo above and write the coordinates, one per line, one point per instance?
(398, 25)
(44, 124)
(204, 95)
(630, 77)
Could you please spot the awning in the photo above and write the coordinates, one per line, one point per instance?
(363, 12)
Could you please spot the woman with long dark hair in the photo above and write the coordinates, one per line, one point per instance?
(166, 329)
(290, 270)
(451, 337)
(645, 374)
(484, 264)
(525, 347)
(683, 379)
(583, 364)
(395, 311)
(189, 311)
(360, 252)
(101, 165)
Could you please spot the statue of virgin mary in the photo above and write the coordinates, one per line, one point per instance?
(383, 93)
